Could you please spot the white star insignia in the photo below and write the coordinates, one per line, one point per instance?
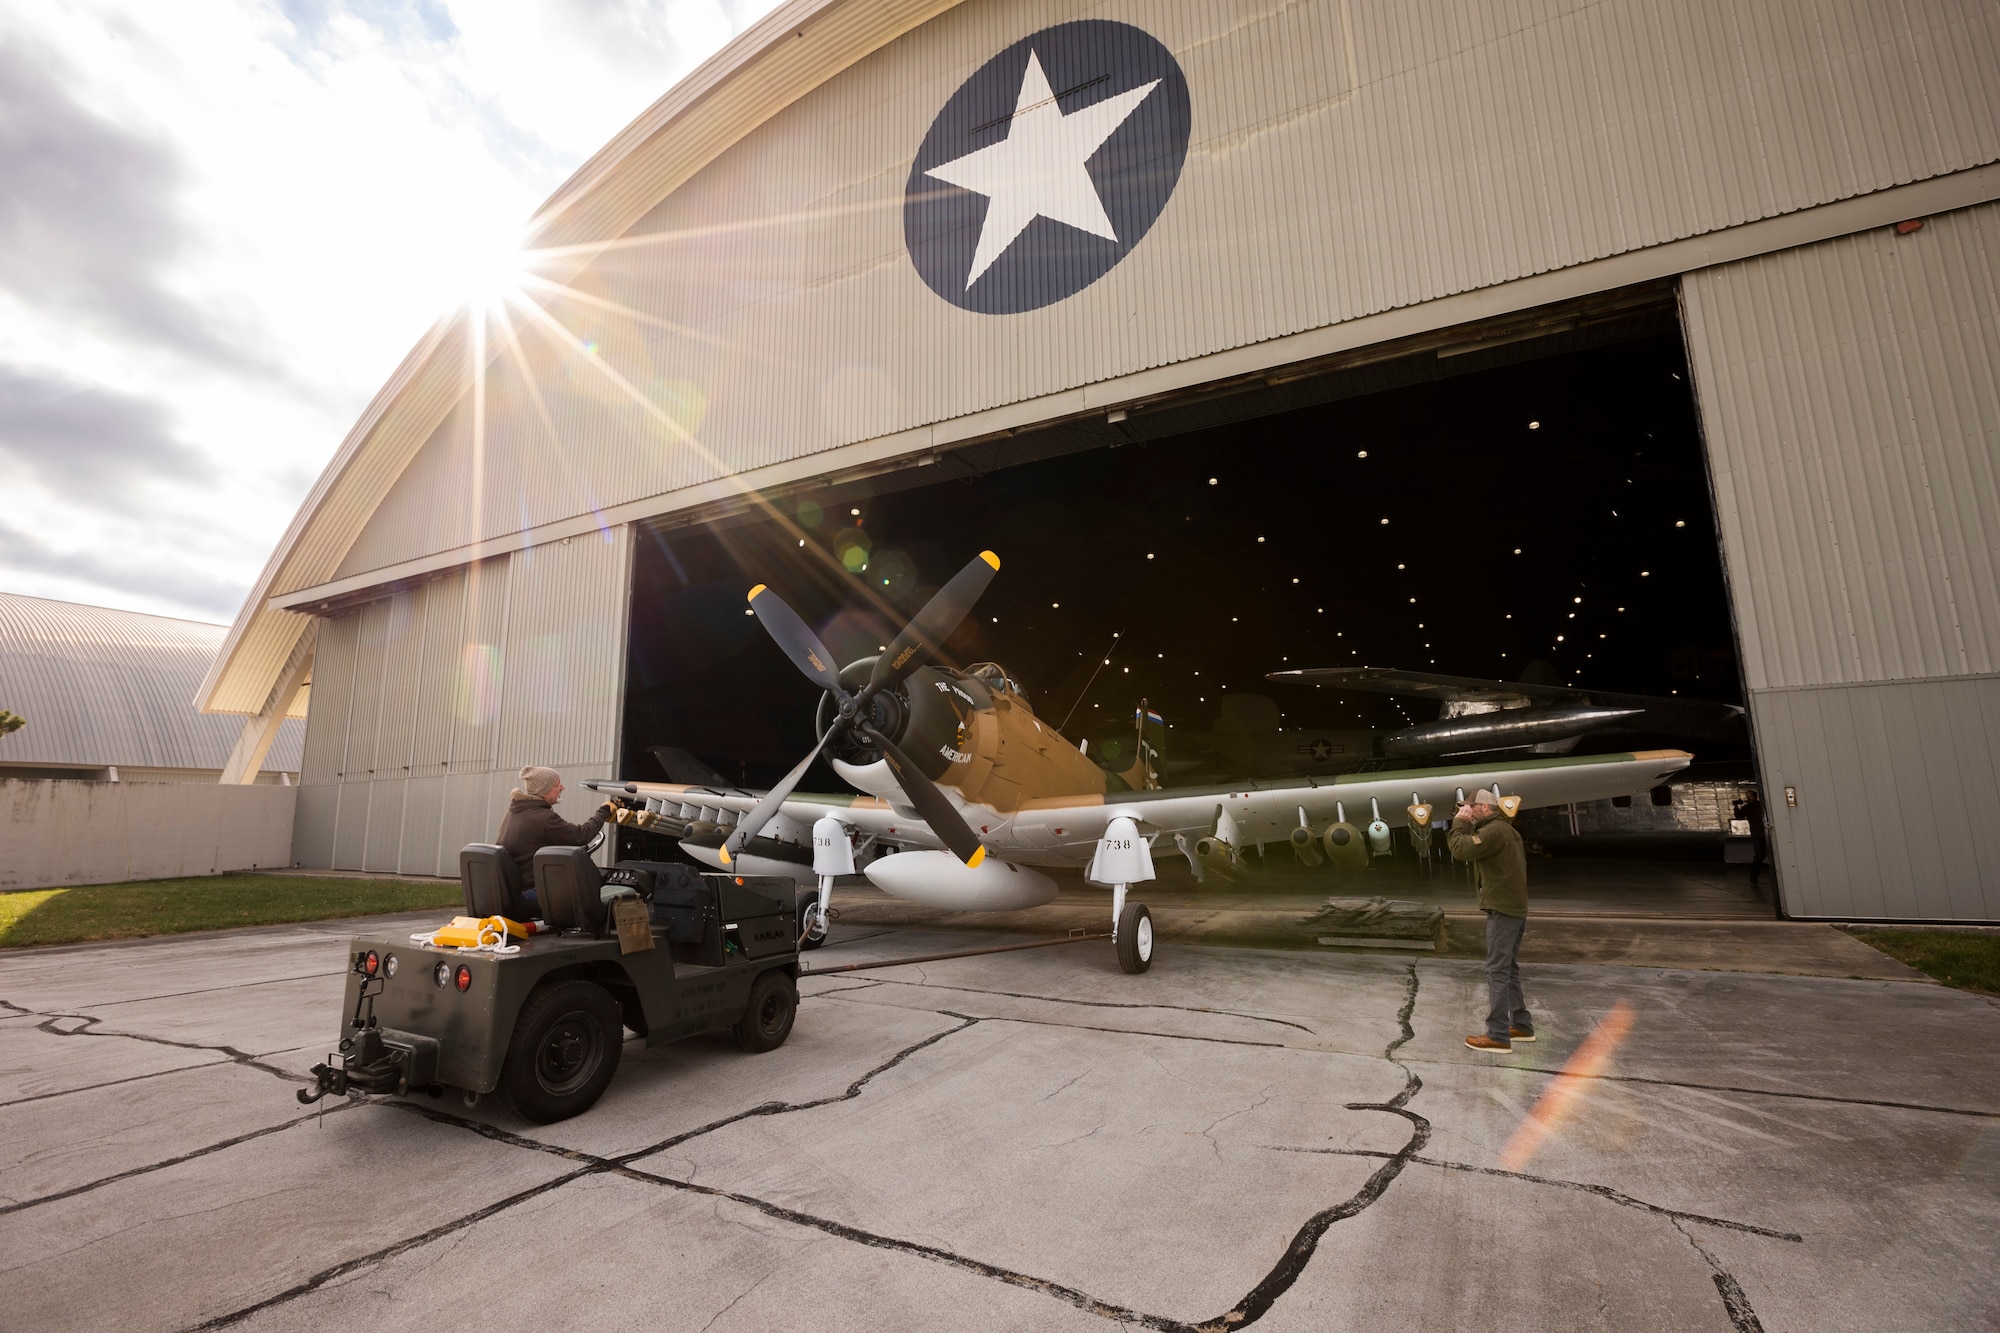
(1038, 169)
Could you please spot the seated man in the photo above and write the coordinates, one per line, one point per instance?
(531, 823)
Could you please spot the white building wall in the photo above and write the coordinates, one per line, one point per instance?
(57, 833)
(1850, 395)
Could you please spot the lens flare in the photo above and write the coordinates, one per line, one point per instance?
(1559, 1102)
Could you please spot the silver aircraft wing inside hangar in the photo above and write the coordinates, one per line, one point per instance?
(1477, 715)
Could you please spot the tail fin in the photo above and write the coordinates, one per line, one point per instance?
(1149, 747)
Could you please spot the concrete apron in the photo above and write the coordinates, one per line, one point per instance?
(1282, 1139)
(1797, 948)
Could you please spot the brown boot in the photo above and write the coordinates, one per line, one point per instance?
(1520, 1034)
(1482, 1042)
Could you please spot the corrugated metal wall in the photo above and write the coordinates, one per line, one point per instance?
(102, 687)
(1344, 161)
(426, 704)
(1850, 394)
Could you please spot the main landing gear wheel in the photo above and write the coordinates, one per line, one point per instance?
(565, 1050)
(812, 926)
(1135, 938)
(767, 1021)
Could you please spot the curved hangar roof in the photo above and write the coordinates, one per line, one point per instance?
(791, 50)
(100, 687)
(770, 275)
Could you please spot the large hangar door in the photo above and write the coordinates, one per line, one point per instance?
(1851, 404)
(1517, 501)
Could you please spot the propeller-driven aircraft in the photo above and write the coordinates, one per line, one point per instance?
(971, 792)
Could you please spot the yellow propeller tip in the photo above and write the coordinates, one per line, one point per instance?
(759, 588)
(990, 558)
(977, 857)
(723, 852)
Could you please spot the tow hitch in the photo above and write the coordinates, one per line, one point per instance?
(373, 1058)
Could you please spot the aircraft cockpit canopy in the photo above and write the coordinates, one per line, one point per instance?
(995, 677)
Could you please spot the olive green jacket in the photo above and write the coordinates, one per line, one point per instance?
(1493, 846)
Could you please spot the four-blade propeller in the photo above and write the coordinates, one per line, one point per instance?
(910, 650)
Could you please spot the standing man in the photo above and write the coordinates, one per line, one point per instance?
(1482, 835)
(531, 822)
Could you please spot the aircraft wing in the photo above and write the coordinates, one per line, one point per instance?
(1672, 714)
(686, 806)
(1064, 831)
(1055, 832)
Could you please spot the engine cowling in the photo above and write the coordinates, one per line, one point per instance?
(927, 716)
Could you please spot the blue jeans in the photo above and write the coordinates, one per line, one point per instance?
(1505, 1005)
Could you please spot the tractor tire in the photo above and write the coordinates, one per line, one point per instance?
(767, 1019)
(565, 1050)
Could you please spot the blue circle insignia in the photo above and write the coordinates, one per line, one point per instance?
(1046, 167)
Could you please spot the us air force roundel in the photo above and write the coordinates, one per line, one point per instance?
(1046, 167)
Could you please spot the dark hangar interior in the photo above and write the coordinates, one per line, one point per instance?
(1530, 507)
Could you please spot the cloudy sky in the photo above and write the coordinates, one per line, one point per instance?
(224, 222)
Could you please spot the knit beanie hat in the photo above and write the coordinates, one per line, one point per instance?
(539, 781)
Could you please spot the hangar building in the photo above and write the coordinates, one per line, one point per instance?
(105, 695)
(1498, 328)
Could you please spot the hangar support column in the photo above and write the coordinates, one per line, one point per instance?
(1850, 397)
(246, 758)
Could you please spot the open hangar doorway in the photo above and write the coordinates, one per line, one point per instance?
(1522, 501)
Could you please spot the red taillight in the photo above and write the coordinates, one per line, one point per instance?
(370, 963)
(464, 977)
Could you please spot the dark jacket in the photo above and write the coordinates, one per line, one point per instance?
(531, 824)
(1493, 846)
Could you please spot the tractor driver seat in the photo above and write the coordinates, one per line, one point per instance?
(492, 883)
(570, 889)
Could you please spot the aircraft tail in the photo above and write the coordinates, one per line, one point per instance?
(1149, 747)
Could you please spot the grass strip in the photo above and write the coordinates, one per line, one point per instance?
(1969, 960)
(211, 902)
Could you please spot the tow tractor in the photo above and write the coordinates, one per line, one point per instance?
(540, 1020)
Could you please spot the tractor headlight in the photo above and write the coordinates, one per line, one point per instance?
(389, 966)
(441, 974)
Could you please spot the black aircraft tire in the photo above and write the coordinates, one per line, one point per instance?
(565, 1050)
(1135, 938)
(767, 1019)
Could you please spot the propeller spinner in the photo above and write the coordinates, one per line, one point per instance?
(910, 650)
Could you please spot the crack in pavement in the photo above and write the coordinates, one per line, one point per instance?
(1754, 1092)
(342, 1269)
(150, 1167)
(234, 986)
(1292, 1263)
(1735, 1303)
(592, 1165)
(1601, 1191)
(1100, 1004)
(113, 1083)
(1255, 1303)
(1127, 1032)
(90, 1021)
